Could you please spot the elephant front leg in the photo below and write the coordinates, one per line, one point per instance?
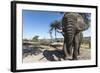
(65, 51)
(76, 46)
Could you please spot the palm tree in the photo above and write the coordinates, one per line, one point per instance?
(51, 35)
(54, 26)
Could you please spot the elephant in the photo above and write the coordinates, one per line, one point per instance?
(72, 26)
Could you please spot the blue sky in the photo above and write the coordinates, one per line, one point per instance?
(38, 23)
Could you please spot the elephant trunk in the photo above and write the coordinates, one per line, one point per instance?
(68, 40)
(69, 30)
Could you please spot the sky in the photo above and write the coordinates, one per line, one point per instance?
(38, 23)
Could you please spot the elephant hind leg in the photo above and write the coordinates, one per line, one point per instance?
(80, 40)
(79, 49)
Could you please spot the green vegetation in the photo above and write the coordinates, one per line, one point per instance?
(35, 39)
(44, 42)
(25, 39)
(86, 42)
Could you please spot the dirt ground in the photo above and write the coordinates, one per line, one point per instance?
(85, 54)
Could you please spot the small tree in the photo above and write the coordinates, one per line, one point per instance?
(25, 39)
(35, 38)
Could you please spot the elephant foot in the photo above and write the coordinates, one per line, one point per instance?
(66, 58)
(79, 53)
(75, 59)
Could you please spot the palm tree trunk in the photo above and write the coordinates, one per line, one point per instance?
(51, 36)
(55, 35)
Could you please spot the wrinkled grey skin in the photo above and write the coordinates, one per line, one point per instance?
(72, 26)
(80, 37)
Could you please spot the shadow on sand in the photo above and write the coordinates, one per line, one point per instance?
(31, 51)
(53, 55)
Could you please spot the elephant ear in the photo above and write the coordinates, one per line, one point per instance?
(81, 25)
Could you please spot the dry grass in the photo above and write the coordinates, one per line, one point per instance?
(85, 46)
